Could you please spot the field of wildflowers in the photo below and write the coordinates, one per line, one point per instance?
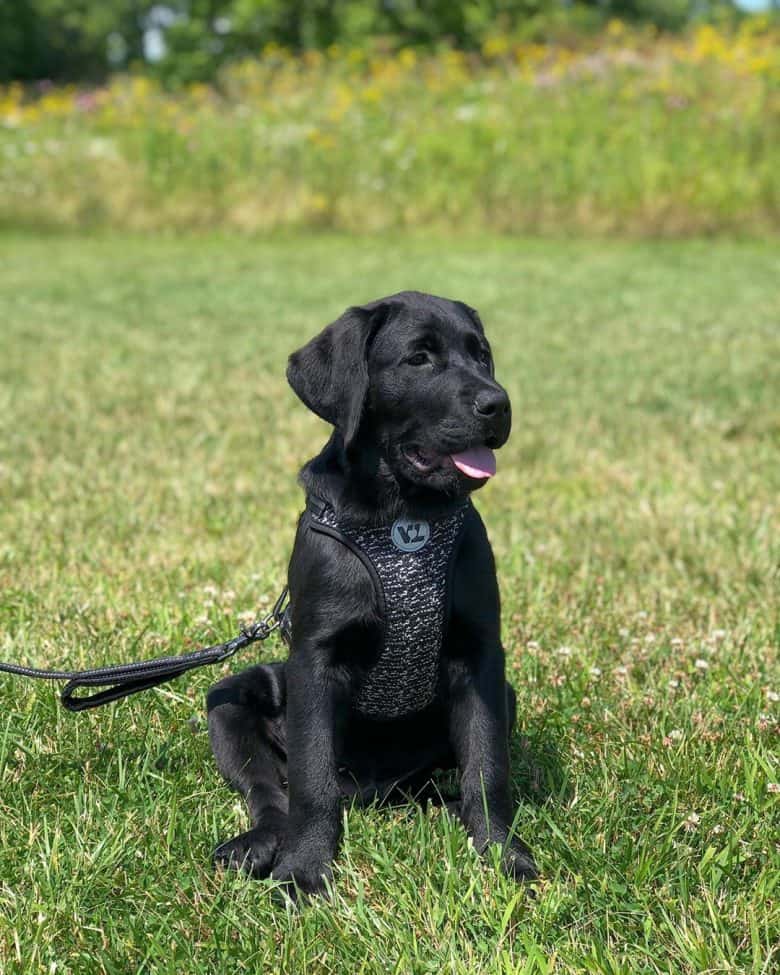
(628, 133)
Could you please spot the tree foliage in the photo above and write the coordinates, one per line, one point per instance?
(188, 40)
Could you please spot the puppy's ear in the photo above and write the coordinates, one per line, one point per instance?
(474, 316)
(330, 373)
(472, 313)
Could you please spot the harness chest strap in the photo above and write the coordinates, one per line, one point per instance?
(410, 563)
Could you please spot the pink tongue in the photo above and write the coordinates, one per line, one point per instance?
(476, 462)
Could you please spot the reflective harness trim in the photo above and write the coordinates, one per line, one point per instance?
(410, 563)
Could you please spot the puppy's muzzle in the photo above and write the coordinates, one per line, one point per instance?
(494, 412)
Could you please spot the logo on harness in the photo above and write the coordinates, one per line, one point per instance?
(410, 536)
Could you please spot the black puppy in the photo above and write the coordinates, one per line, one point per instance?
(396, 666)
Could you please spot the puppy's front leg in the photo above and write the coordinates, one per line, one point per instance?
(315, 706)
(479, 734)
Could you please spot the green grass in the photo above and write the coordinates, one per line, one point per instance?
(148, 453)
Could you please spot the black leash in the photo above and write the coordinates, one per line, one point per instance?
(121, 680)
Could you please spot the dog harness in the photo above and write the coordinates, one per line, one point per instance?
(410, 563)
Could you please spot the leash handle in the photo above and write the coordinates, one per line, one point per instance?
(122, 680)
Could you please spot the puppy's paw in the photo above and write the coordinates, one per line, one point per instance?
(301, 875)
(252, 852)
(517, 861)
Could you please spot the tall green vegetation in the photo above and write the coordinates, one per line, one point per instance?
(619, 134)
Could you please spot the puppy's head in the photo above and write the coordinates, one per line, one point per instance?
(412, 375)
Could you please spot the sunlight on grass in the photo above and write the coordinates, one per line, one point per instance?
(148, 455)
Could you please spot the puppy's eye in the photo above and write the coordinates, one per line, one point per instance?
(419, 359)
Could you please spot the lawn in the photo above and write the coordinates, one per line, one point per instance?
(148, 454)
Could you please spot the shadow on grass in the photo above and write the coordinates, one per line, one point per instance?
(538, 770)
(537, 773)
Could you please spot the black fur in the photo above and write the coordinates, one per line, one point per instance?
(406, 381)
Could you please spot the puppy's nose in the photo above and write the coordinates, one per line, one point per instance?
(491, 404)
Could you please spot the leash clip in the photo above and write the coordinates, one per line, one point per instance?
(261, 629)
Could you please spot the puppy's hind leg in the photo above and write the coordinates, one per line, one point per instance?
(247, 729)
